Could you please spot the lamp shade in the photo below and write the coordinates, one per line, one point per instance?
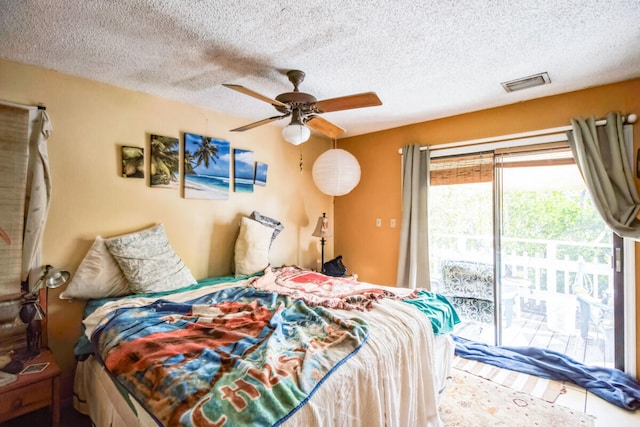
(322, 227)
(51, 278)
(56, 277)
(336, 172)
(296, 133)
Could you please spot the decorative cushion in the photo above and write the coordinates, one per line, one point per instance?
(252, 247)
(467, 279)
(269, 222)
(149, 262)
(98, 276)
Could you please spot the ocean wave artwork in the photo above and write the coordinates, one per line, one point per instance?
(243, 171)
(206, 167)
(261, 174)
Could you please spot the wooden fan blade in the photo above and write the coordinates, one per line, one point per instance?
(360, 100)
(256, 95)
(259, 123)
(325, 126)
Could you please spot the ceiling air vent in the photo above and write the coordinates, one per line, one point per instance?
(526, 82)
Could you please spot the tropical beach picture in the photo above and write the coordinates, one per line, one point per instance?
(132, 162)
(165, 158)
(261, 174)
(206, 167)
(242, 171)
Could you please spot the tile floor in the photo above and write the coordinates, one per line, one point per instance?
(606, 414)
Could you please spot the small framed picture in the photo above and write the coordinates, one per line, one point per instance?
(35, 368)
(132, 162)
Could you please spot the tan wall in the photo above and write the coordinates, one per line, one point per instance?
(91, 121)
(372, 252)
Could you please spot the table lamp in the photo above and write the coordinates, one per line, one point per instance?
(322, 231)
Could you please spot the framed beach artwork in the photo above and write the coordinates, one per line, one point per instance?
(132, 162)
(206, 167)
(243, 171)
(165, 161)
(261, 174)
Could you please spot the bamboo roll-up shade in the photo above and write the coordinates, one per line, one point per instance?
(473, 168)
(13, 177)
(536, 156)
(467, 169)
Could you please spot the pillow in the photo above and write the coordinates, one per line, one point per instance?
(149, 262)
(269, 222)
(97, 276)
(252, 247)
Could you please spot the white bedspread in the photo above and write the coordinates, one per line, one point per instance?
(394, 380)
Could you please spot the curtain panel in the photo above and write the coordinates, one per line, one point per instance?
(601, 155)
(413, 257)
(38, 196)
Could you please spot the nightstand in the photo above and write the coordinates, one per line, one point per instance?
(33, 391)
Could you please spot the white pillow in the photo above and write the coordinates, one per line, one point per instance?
(252, 247)
(98, 276)
(149, 262)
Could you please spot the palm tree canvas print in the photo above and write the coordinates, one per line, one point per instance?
(243, 171)
(261, 174)
(165, 152)
(206, 167)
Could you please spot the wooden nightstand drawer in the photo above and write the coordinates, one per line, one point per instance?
(33, 391)
(26, 399)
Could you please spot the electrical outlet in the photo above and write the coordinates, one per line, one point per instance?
(378, 222)
(393, 223)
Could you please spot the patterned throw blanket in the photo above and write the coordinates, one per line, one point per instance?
(316, 289)
(238, 356)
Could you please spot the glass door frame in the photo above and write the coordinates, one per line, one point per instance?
(626, 351)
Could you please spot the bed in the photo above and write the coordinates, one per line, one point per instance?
(285, 346)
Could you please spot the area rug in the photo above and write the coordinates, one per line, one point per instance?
(471, 401)
(543, 388)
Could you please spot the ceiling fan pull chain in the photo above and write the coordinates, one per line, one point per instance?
(301, 164)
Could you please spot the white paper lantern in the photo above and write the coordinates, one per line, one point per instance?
(336, 172)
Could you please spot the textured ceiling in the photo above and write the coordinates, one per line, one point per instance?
(424, 59)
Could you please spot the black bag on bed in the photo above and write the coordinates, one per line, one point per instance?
(335, 267)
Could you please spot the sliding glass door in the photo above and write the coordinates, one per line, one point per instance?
(523, 254)
(461, 240)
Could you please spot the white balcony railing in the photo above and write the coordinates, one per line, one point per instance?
(547, 273)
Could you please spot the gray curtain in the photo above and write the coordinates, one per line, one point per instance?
(413, 257)
(602, 157)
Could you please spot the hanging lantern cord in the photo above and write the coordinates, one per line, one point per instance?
(301, 163)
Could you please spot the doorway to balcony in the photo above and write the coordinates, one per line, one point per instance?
(519, 249)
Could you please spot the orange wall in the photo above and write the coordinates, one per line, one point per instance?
(372, 252)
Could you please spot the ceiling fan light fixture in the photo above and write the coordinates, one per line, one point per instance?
(296, 133)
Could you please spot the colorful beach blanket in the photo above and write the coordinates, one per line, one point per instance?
(238, 356)
(317, 289)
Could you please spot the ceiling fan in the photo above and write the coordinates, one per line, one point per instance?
(304, 109)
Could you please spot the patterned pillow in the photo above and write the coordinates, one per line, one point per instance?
(97, 276)
(252, 247)
(149, 262)
(269, 222)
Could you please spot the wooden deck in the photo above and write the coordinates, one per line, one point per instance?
(530, 329)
